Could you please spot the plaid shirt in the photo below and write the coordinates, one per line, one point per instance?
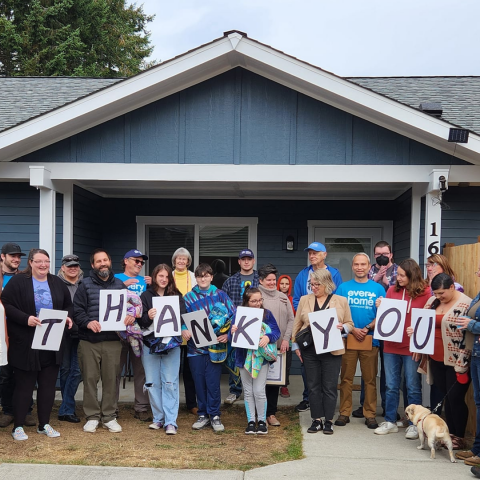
(233, 287)
(391, 274)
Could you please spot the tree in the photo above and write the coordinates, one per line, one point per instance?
(92, 38)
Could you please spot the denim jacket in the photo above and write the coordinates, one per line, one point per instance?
(474, 327)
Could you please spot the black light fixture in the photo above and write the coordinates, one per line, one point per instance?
(458, 135)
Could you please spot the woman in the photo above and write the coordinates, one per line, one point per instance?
(254, 364)
(323, 369)
(206, 362)
(410, 286)
(436, 264)
(23, 297)
(451, 355)
(278, 303)
(161, 361)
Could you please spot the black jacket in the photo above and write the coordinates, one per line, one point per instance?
(19, 302)
(86, 304)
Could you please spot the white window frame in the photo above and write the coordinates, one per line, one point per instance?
(250, 222)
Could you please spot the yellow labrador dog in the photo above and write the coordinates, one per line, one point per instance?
(431, 426)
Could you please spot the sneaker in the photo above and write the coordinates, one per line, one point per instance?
(156, 425)
(217, 424)
(411, 433)
(19, 434)
(284, 392)
(328, 428)
(358, 413)
(371, 423)
(91, 426)
(231, 399)
(342, 420)
(272, 420)
(171, 430)
(201, 422)
(113, 426)
(262, 428)
(403, 422)
(303, 406)
(315, 427)
(30, 420)
(476, 471)
(386, 427)
(251, 429)
(472, 461)
(464, 454)
(49, 431)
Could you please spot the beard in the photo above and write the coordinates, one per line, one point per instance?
(103, 273)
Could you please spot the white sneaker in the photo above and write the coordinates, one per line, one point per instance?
(386, 427)
(91, 426)
(113, 426)
(49, 431)
(217, 424)
(411, 433)
(231, 399)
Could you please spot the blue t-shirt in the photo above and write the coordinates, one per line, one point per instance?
(6, 278)
(42, 295)
(137, 288)
(361, 300)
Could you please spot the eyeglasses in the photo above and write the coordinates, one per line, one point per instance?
(137, 261)
(432, 265)
(316, 285)
(203, 276)
(477, 272)
(255, 302)
(41, 262)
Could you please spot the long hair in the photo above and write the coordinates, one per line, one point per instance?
(171, 287)
(249, 291)
(443, 262)
(442, 280)
(416, 284)
(31, 254)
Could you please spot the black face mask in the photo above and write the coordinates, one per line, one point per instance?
(382, 260)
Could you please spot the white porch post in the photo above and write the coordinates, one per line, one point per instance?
(418, 191)
(40, 178)
(68, 219)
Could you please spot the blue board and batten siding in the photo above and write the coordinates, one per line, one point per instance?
(240, 118)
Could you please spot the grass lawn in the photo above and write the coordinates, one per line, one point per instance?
(138, 446)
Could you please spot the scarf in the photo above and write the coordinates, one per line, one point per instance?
(256, 358)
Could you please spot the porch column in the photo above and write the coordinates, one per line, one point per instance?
(418, 190)
(67, 191)
(40, 178)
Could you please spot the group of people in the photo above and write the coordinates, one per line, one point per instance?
(89, 354)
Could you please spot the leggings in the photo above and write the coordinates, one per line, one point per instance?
(254, 393)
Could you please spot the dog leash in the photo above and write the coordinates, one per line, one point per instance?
(441, 401)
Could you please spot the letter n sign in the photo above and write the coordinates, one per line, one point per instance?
(423, 324)
(200, 327)
(48, 335)
(390, 324)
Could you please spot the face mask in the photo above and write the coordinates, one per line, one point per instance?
(382, 260)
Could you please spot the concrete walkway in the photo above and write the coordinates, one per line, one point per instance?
(352, 452)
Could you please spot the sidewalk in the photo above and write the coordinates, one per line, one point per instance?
(352, 452)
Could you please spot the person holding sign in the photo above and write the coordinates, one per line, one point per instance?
(322, 370)
(254, 364)
(450, 361)
(411, 287)
(206, 362)
(24, 296)
(161, 356)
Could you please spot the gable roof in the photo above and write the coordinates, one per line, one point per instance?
(459, 96)
(232, 50)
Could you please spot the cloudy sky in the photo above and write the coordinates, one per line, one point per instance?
(346, 37)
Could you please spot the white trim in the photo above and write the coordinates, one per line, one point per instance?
(418, 191)
(68, 219)
(47, 227)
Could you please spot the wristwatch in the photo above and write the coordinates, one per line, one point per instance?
(369, 327)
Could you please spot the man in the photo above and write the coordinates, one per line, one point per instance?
(11, 256)
(98, 352)
(361, 293)
(234, 288)
(317, 254)
(132, 263)
(70, 376)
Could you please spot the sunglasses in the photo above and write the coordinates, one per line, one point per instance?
(137, 261)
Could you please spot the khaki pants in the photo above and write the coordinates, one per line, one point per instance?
(368, 365)
(99, 361)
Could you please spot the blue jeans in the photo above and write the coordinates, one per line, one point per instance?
(162, 384)
(206, 376)
(475, 372)
(70, 377)
(393, 370)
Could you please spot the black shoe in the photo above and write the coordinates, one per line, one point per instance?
(328, 428)
(476, 470)
(251, 429)
(69, 418)
(262, 428)
(303, 406)
(371, 423)
(316, 426)
(342, 420)
(358, 413)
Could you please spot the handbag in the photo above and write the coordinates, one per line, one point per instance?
(304, 338)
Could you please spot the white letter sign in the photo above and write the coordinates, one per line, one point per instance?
(48, 335)
(423, 324)
(390, 322)
(249, 323)
(167, 321)
(113, 310)
(326, 336)
(200, 327)
(3, 341)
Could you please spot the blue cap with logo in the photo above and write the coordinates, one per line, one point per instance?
(135, 253)
(317, 246)
(246, 252)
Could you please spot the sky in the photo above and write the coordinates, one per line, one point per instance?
(345, 37)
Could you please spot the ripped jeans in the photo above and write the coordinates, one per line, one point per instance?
(162, 384)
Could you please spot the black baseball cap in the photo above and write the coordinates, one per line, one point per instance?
(12, 249)
(70, 261)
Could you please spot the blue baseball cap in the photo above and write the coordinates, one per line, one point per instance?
(135, 253)
(317, 246)
(246, 252)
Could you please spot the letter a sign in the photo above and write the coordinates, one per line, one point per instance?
(167, 321)
(48, 335)
(390, 322)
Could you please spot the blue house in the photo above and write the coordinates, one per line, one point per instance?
(236, 144)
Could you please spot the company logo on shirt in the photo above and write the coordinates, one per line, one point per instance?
(361, 298)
